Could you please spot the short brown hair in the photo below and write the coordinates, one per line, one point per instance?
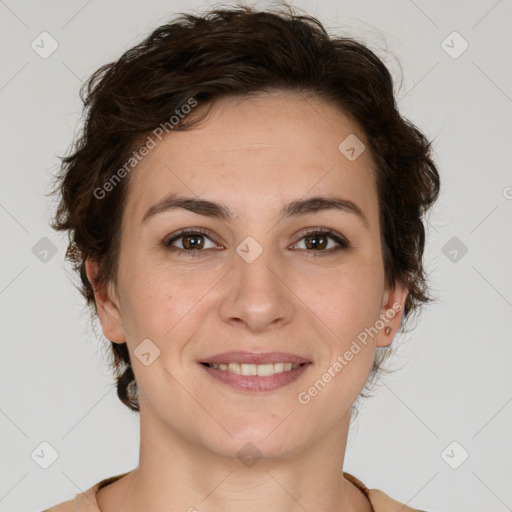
(238, 51)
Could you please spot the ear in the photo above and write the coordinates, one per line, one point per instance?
(393, 302)
(106, 305)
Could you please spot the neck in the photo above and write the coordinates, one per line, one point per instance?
(176, 473)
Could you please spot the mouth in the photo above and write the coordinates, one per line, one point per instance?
(261, 370)
(249, 371)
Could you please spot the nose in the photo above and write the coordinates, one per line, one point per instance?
(258, 295)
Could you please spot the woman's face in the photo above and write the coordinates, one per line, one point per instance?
(255, 281)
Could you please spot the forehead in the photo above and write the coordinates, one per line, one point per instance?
(256, 154)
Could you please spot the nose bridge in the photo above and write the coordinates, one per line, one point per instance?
(256, 294)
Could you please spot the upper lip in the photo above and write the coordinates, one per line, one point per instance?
(255, 358)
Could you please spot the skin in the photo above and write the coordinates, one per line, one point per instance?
(253, 155)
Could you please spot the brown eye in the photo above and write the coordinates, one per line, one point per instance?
(193, 241)
(319, 240)
(189, 242)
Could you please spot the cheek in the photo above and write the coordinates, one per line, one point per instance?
(145, 305)
(346, 306)
(166, 305)
(345, 300)
(347, 309)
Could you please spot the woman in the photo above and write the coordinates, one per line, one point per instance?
(245, 208)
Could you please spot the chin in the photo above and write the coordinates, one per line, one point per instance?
(250, 439)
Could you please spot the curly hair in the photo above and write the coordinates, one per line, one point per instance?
(229, 52)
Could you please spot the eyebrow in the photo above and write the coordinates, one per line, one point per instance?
(222, 212)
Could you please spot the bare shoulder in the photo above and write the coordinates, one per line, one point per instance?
(66, 506)
(381, 501)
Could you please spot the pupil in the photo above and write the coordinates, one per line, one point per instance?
(193, 245)
(316, 245)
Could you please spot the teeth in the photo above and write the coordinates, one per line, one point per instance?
(262, 370)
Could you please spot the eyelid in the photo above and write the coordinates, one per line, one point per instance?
(187, 231)
(341, 240)
(337, 237)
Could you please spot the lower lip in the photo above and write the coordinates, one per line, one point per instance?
(255, 382)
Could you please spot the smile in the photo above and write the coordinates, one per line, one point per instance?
(255, 377)
(262, 370)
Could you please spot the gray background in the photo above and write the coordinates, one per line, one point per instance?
(455, 384)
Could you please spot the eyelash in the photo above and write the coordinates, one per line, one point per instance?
(342, 241)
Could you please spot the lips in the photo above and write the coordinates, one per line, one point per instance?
(255, 358)
(245, 380)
